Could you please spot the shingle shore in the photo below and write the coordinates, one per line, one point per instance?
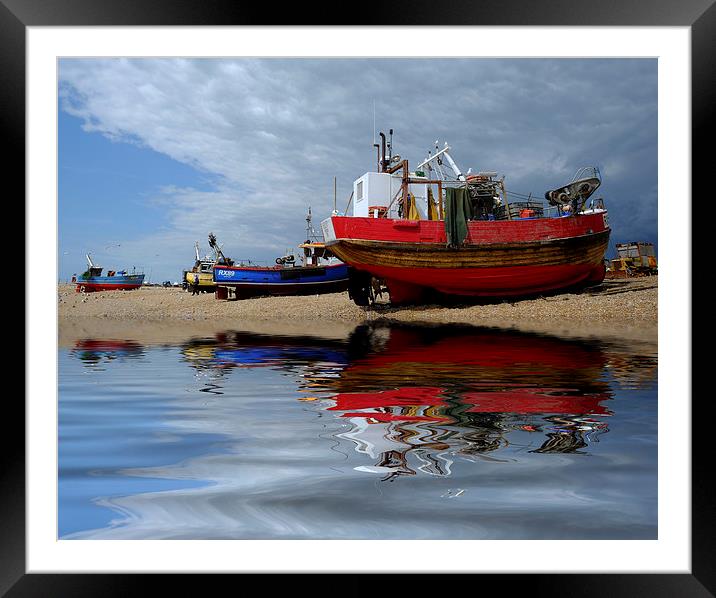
(616, 308)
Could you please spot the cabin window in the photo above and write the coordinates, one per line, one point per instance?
(359, 191)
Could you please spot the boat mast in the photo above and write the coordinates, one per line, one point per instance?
(382, 161)
(444, 152)
(220, 257)
(309, 228)
(89, 260)
(386, 159)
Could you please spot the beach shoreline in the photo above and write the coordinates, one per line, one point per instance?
(621, 309)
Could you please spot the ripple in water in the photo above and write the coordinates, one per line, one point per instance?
(444, 432)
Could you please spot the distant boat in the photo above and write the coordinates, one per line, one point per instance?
(120, 280)
(319, 272)
(204, 267)
(467, 240)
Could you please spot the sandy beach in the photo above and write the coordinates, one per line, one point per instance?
(623, 309)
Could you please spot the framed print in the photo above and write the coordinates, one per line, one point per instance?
(389, 398)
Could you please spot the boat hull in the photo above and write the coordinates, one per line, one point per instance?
(498, 259)
(109, 283)
(206, 280)
(299, 280)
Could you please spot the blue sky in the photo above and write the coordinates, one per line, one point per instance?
(154, 154)
(108, 198)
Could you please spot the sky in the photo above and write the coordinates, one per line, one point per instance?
(154, 154)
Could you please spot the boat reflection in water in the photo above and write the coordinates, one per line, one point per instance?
(440, 393)
(94, 351)
(365, 436)
(415, 398)
(217, 356)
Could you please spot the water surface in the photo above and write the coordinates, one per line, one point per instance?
(395, 432)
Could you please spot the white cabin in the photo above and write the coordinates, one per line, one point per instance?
(376, 192)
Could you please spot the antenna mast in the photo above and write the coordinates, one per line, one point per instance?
(373, 122)
(309, 228)
(215, 246)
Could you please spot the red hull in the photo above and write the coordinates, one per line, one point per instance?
(498, 258)
(484, 282)
(88, 287)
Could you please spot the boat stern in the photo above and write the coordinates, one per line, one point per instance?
(329, 233)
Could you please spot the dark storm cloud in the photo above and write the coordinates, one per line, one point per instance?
(272, 133)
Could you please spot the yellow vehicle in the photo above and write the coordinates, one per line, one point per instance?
(206, 280)
(204, 267)
(633, 259)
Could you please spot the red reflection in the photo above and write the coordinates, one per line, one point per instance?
(418, 377)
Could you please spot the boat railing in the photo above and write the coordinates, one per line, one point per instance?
(504, 209)
(552, 212)
(597, 204)
(526, 209)
(587, 172)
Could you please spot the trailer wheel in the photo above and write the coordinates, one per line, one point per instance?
(360, 287)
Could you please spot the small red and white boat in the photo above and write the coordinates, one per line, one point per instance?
(466, 238)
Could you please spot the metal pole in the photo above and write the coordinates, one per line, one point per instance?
(440, 199)
(507, 205)
(373, 122)
(406, 174)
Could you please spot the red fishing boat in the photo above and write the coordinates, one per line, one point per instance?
(425, 232)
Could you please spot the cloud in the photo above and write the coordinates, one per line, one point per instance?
(270, 134)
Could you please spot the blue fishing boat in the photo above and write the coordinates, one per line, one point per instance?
(92, 280)
(246, 281)
(319, 271)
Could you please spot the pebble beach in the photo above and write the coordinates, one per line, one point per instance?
(618, 308)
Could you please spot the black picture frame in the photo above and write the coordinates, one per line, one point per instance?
(17, 15)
